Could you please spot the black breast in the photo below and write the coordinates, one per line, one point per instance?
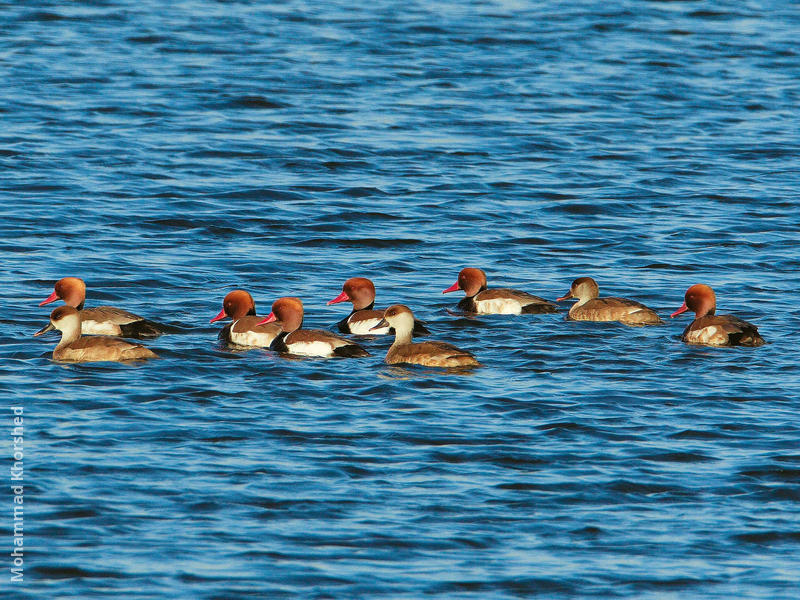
(225, 333)
(279, 343)
(467, 304)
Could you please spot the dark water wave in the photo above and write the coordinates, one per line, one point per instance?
(168, 154)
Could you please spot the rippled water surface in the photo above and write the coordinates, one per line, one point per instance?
(170, 152)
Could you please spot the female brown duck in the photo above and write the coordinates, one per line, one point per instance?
(714, 330)
(591, 308)
(429, 354)
(74, 348)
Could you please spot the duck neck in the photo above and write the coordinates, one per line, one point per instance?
(369, 306)
(70, 332)
(291, 324)
(475, 291)
(75, 299)
(581, 301)
(402, 335)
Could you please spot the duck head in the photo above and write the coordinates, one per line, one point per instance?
(236, 305)
(358, 290)
(471, 280)
(700, 299)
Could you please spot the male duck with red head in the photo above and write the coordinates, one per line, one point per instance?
(428, 354)
(709, 329)
(74, 348)
(102, 320)
(306, 342)
(591, 308)
(244, 329)
(499, 301)
(363, 318)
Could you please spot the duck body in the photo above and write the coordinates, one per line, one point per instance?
(109, 320)
(428, 354)
(498, 301)
(101, 349)
(591, 308)
(710, 329)
(628, 312)
(361, 322)
(722, 330)
(244, 329)
(316, 342)
(74, 348)
(102, 320)
(363, 318)
(292, 339)
(505, 301)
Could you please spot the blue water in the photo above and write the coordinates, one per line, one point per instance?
(170, 152)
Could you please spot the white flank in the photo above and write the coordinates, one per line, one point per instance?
(99, 328)
(362, 327)
(311, 348)
(711, 335)
(708, 335)
(498, 306)
(251, 338)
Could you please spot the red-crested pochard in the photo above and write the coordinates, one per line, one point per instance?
(714, 330)
(102, 320)
(499, 301)
(363, 318)
(245, 330)
(306, 342)
(591, 308)
(428, 354)
(74, 348)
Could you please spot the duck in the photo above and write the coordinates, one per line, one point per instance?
(102, 320)
(591, 308)
(244, 329)
(709, 329)
(499, 301)
(428, 354)
(292, 339)
(74, 348)
(363, 318)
